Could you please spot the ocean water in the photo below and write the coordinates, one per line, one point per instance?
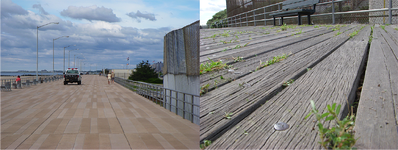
(27, 73)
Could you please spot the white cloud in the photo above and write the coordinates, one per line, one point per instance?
(210, 7)
(90, 13)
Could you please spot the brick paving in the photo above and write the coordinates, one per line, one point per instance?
(93, 115)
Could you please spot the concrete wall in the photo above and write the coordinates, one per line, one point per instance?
(123, 73)
(181, 65)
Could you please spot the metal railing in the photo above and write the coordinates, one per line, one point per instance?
(183, 104)
(325, 12)
(27, 81)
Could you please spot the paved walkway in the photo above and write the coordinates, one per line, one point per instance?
(90, 116)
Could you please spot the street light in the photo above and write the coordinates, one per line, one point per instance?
(64, 55)
(69, 56)
(37, 48)
(53, 50)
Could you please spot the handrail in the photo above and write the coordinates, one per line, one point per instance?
(9, 82)
(168, 98)
(238, 19)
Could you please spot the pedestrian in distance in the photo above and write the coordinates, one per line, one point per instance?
(18, 79)
(109, 78)
(113, 77)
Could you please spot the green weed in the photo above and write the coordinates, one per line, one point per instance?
(371, 34)
(353, 33)
(227, 115)
(383, 27)
(272, 61)
(205, 144)
(341, 135)
(237, 59)
(288, 82)
(204, 89)
(207, 67)
(237, 46)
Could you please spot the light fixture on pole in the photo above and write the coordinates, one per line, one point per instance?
(69, 56)
(37, 48)
(53, 50)
(64, 56)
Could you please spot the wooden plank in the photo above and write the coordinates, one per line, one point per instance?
(376, 120)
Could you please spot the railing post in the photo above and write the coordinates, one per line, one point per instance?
(265, 17)
(279, 8)
(171, 92)
(240, 20)
(247, 20)
(192, 102)
(177, 103)
(164, 98)
(254, 17)
(183, 106)
(332, 11)
(390, 12)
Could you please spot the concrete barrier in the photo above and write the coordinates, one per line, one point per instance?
(181, 67)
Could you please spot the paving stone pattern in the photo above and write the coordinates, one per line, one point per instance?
(93, 115)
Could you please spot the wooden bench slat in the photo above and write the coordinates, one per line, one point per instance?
(376, 121)
(330, 81)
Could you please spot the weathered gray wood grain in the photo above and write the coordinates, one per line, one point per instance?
(328, 82)
(376, 122)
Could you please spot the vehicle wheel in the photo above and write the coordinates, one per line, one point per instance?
(80, 82)
(65, 83)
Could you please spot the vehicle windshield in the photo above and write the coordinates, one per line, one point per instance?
(72, 71)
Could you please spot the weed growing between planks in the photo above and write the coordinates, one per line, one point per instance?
(383, 27)
(205, 144)
(272, 61)
(204, 89)
(288, 82)
(213, 65)
(341, 135)
(227, 115)
(371, 34)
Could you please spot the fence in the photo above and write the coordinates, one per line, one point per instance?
(327, 12)
(123, 75)
(25, 82)
(179, 102)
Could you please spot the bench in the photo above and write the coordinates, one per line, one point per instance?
(376, 119)
(7, 86)
(296, 8)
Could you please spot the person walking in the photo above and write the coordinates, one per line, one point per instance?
(113, 77)
(109, 78)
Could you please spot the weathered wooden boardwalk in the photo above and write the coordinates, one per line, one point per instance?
(377, 115)
(93, 115)
(325, 63)
(247, 88)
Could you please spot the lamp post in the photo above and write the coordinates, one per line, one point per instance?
(53, 50)
(74, 62)
(37, 48)
(64, 56)
(69, 56)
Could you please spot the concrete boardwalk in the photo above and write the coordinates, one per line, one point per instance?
(93, 115)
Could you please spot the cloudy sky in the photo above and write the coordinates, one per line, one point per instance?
(105, 32)
(210, 7)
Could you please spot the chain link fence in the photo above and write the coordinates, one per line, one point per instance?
(256, 12)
